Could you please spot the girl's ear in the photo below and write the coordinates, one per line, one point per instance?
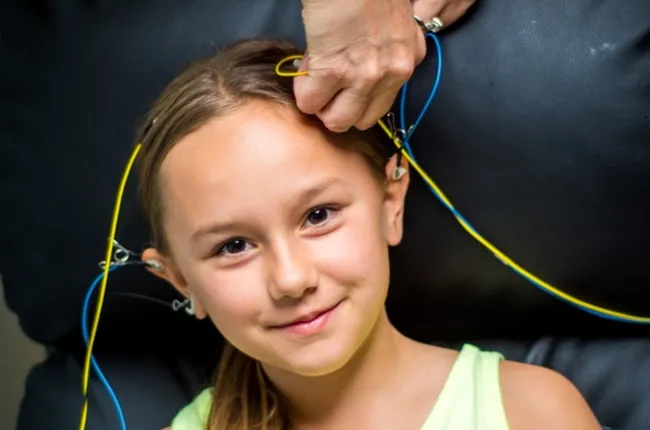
(161, 266)
(397, 182)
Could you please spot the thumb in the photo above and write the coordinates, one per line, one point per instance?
(302, 68)
(303, 63)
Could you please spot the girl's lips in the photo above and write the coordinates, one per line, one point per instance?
(311, 324)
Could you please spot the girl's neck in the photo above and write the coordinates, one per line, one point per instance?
(375, 369)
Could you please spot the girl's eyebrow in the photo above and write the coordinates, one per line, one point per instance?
(212, 229)
(305, 195)
(314, 190)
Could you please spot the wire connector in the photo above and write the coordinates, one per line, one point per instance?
(121, 256)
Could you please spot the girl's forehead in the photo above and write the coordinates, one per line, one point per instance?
(257, 138)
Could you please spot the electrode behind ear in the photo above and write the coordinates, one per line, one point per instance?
(190, 308)
(187, 305)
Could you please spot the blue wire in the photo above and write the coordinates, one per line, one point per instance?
(407, 147)
(84, 331)
(432, 95)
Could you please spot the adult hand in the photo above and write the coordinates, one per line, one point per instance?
(359, 54)
(448, 11)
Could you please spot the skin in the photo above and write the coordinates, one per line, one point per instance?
(256, 169)
(360, 53)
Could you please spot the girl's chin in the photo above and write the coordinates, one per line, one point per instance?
(321, 360)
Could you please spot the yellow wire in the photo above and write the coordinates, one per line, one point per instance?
(279, 71)
(497, 252)
(102, 287)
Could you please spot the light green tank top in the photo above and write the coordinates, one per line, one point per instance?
(469, 400)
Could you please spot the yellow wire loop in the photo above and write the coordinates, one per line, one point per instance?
(102, 287)
(278, 67)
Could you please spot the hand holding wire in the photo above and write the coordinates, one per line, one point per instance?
(359, 54)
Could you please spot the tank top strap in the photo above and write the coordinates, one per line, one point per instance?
(471, 396)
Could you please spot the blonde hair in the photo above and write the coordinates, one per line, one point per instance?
(243, 398)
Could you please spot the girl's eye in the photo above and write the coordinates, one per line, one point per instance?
(236, 246)
(319, 216)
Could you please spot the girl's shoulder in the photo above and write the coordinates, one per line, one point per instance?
(536, 397)
(510, 395)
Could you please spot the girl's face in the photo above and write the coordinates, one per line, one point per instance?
(280, 236)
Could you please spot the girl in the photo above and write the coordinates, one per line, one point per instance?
(278, 230)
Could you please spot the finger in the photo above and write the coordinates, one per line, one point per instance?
(345, 109)
(453, 11)
(399, 69)
(427, 9)
(383, 96)
(314, 91)
(421, 45)
(378, 106)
